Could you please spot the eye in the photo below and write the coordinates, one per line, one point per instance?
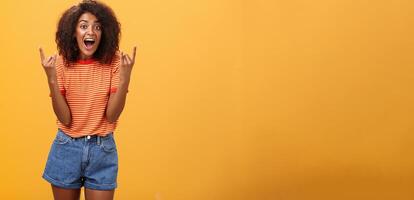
(98, 27)
(83, 26)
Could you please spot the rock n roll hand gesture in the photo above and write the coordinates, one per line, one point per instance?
(48, 64)
(60, 106)
(126, 65)
(116, 100)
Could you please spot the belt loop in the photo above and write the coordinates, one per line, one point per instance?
(98, 140)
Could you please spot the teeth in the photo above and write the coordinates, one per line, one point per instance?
(89, 40)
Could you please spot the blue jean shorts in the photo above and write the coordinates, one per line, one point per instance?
(90, 161)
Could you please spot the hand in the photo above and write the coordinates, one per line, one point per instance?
(126, 65)
(48, 64)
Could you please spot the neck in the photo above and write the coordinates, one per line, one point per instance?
(84, 57)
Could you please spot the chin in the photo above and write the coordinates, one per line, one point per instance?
(88, 54)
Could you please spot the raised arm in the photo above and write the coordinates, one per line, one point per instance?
(117, 100)
(60, 106)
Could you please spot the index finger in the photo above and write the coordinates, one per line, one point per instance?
(42, 54)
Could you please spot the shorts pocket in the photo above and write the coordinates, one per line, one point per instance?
(61, 138)
(108, 144)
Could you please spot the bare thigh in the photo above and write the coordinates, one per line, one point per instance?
(65, 194)
(99, 194)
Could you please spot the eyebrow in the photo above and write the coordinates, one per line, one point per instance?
(82, 20)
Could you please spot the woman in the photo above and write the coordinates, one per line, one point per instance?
(88, 84)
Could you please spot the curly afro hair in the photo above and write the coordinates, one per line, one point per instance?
(111, 32)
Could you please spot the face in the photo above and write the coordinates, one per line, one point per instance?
(88, 35)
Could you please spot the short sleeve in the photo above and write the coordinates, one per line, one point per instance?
(60, 75)
(115, 73)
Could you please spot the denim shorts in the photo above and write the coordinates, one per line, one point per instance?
(90, 161)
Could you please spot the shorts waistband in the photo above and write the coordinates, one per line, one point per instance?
(86, 137)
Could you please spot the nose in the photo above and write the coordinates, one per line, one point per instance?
(90, 30)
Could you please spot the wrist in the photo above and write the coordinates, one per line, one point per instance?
(124, 80)
(52, 79)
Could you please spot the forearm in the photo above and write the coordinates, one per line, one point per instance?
(60, 106)
(116, 101)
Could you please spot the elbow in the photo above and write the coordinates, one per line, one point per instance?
(66, 122)
(111, 118)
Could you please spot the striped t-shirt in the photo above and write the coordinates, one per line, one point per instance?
(87, 84)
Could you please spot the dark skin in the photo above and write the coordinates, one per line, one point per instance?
(74, 194)
(65, 194)
(116, 104)
(87, 27)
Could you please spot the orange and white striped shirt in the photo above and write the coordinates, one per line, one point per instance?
(87, 84)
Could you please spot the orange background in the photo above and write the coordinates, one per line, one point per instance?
(232, 100)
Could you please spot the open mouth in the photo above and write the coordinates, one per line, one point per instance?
(89, 42)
